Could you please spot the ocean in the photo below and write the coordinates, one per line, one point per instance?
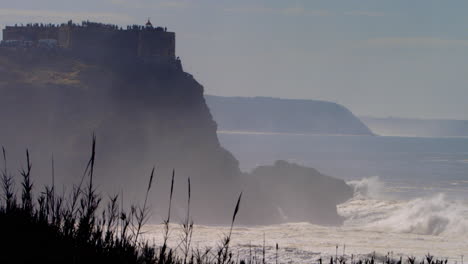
(411, 197)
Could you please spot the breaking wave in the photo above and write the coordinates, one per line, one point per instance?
(371, 187)
(432, 215)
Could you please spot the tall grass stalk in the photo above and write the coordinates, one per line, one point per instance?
(224, 254)
(27, 186)
(143, 212)
(187, 226)
(8, 184)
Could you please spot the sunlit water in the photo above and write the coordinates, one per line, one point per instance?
(411, 198)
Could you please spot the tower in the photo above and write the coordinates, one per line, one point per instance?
(148, 24)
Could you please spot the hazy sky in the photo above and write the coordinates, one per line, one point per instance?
(405, 58)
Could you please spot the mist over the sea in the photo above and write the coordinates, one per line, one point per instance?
(373, 225)
(410, 195)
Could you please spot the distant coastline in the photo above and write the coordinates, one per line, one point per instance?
(235, 132)
(285, 134)
(413, 127)
(283, 116)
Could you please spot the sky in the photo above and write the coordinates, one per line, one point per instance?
(401, 58)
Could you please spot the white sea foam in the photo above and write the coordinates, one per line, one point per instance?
(373, 223)
(428, 216)
(368, 187)
(432, 215)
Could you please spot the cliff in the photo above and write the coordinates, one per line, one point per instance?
(262, 114)
(144, 115)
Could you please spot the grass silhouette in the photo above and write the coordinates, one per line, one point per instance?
(79, 228)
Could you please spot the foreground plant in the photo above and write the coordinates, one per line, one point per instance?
(69, 228)
(78, 228)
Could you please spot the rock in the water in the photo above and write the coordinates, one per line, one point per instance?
(293, 193)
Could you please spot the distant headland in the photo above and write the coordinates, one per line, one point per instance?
(275, 115)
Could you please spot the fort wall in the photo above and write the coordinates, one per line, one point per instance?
(101, 39)
(30, 33)
(156, 44)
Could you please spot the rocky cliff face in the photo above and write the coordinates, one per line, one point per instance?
(263, 114)
(144, 115)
